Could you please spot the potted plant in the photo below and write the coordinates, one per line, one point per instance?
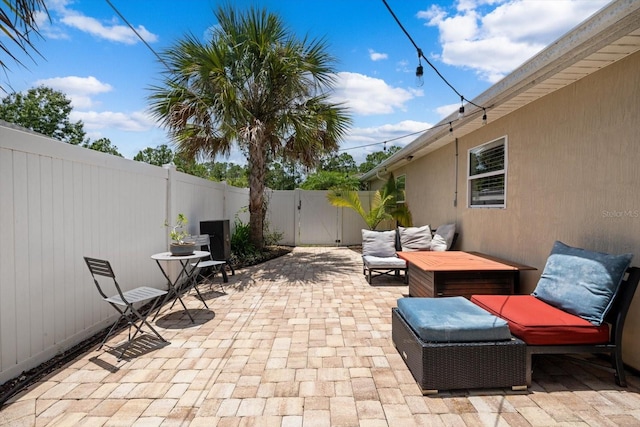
(181, 243)
(383, 206)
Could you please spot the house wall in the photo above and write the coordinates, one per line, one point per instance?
(573, 176)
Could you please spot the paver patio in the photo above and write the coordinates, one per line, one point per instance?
(302, 340)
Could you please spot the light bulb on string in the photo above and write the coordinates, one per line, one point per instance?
(419, 74)
(419, 71)
(484, 116)
(461, 110)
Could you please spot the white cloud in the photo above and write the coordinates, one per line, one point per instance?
(365, 95)
(78, 89)
(47, 29)
(135, 122)
(444, 110)
(495, 43)
(111, 31)
(375, 56)
(388, 131)
(363, 141)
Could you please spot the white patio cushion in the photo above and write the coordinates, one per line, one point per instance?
(379, 243)
(372, 261)
(443, 237)
(415, 238)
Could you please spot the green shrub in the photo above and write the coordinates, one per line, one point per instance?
(241, 245)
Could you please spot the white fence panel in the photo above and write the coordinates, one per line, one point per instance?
(60, 202)
(352, 223)
(199, 199)
(281, 217)
(237, 203)
(318, 220)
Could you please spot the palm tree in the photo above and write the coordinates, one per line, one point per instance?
(253, 85)
(384, 204)
(17, 22)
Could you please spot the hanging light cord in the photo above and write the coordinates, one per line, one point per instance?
(421, 55)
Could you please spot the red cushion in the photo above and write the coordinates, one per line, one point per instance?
(538, 323)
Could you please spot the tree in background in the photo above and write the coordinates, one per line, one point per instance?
(254, 85)
(161, 155)
(18, 22)
(45, 111)
(282, 176)
(325, 180)
(233, 174)
(333, 171)
(342, 163)
(104, 145)
(374, 159)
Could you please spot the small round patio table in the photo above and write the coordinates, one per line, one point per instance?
(185, 279)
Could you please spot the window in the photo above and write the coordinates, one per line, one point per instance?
(487, 174)
(400, 186)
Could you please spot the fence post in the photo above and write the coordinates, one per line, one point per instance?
(172, 210)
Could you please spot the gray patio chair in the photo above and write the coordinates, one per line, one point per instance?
(123, 302)
(209, 267)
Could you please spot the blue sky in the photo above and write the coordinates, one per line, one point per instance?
(90, 54)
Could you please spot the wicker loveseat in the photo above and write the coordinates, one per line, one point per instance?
(579, 306)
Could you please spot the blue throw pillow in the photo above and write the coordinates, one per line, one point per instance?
(581, 282)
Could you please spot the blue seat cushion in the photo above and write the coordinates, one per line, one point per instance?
(581, 282)
(452, 319)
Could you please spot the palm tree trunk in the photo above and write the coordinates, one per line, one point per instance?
(257, 159)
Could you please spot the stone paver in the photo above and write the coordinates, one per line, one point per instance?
(299, 341)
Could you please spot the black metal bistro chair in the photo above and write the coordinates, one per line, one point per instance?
(209, 267)
(124, 302)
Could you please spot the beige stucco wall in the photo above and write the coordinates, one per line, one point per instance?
(573, 175)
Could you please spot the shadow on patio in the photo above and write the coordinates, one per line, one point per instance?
(299, 340)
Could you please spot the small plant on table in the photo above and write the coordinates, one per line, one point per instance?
(181, 244)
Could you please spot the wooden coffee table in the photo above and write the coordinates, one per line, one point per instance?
(458, 273)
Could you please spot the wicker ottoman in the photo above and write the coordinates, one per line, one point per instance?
(463, 365)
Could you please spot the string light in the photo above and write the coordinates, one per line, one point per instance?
(384, 143)
(461, 110)
(419, 71)
(421, 55)
(484, 116)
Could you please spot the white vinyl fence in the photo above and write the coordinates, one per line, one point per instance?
(60, 202)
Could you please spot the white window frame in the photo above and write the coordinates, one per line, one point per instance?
(402, 178)
(472, 178)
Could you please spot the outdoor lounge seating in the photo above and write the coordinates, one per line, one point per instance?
(450, 343)
(579, 306)
(379, 255)
(379, 248)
